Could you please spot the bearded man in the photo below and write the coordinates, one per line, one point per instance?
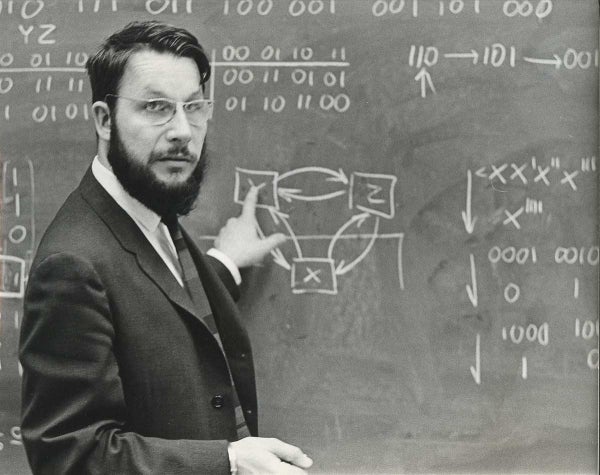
(135, 359)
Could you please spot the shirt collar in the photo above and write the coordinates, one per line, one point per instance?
(140, 213)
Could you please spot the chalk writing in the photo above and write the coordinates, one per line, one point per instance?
(512, 292)
(296, 8)
(525, 8)
(574, 255)
(95, 5)
(28, 10)
(15, 437)
(42, 37)
(532, 333)
(476, 370)
(593, 359)
(586, 330)
(511, 255)
(156, 7)
(496, 55)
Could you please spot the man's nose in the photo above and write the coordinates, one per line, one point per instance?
(180, 129)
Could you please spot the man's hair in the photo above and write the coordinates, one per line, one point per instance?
(106, 68)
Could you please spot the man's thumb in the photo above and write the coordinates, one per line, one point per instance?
(291, 454)
(273, 241)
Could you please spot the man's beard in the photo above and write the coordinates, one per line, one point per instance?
(138, 179)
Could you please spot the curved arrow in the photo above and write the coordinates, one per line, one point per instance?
(342, 268)
(338, 176)
(277, 215)
(290, 194)
(278, 256)
(359, 219)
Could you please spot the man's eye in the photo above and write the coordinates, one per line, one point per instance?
(194, 106)
(156, 106)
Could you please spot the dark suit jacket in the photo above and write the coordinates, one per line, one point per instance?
(119, 374)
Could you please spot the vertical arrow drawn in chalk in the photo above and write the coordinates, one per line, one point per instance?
(472, 289)
(476, 371)
(466, 215)
(425, 78)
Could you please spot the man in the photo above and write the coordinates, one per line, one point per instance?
(134, 357)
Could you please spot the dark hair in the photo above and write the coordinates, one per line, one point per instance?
(105, 68)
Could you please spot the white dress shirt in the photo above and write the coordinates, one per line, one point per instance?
(151, 224)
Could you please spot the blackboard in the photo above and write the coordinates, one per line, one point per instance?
(434, 164)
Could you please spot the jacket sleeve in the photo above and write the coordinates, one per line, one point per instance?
(225, 276)
(74, 416)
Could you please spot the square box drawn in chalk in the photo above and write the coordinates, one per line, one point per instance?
(265, 180)
(12, 272)
(373, 193)
(313, 275)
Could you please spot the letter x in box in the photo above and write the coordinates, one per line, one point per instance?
(313, 275)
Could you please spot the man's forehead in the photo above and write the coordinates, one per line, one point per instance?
(153, 71)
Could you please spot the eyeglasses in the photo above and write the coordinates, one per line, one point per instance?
(161, 110)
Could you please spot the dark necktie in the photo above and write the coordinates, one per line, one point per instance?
(193, 285)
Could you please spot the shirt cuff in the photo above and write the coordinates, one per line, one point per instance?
(232, 460)
(227, 262)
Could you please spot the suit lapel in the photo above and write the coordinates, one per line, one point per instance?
(134, 241)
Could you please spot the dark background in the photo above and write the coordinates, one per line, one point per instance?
(376, 373)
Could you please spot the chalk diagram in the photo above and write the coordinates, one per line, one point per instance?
(370, 197)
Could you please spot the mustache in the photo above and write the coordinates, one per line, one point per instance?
(179, 153)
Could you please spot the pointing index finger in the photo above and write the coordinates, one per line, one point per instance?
(249, 206)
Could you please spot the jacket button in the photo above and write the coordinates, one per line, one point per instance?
(218, 401)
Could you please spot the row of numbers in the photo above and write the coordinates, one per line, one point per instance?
(264, 7)
(276, 104)
(299, 77)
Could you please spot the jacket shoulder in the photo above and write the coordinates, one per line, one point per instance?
(76, 229)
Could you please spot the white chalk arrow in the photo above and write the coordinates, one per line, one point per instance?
(279, 216)
(556, 62)
(290, 194)
(474, 55)
(476, 371)
(338, 175)
(278, 257)
(472, 289)
(425, 78)
(343, 268)
(466, 215)
(358, 219)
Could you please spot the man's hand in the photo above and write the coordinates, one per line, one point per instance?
(239, 239)
(258, 455)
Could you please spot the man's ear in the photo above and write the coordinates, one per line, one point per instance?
(102, 120)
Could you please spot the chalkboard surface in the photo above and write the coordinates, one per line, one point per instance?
(434, 164)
